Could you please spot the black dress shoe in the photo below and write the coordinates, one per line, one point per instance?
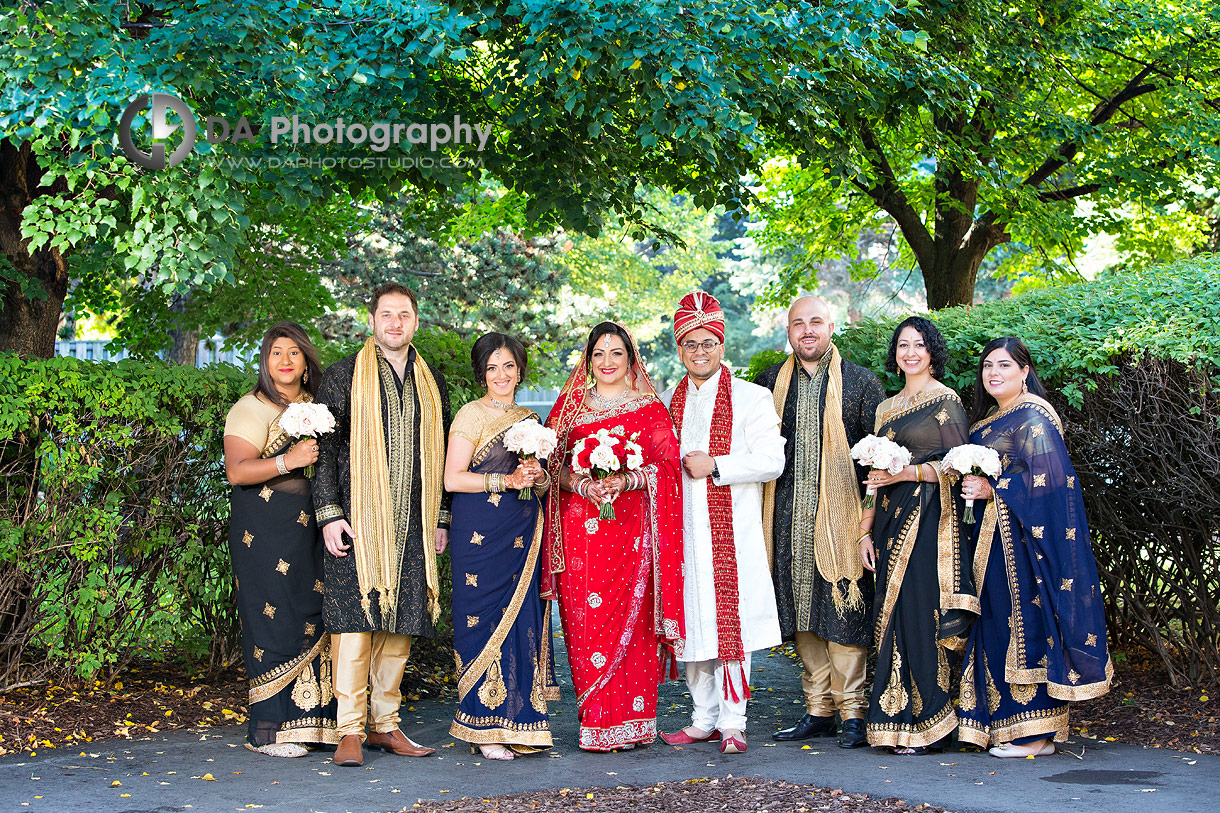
(808, 726)
(853, 735)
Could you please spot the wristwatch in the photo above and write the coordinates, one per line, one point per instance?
(715, 470)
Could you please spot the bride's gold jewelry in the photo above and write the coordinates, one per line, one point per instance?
(602, 402)
(497, 402)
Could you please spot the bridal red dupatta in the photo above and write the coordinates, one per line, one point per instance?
(618, 582)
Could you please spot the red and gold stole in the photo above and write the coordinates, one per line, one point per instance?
(720, 513)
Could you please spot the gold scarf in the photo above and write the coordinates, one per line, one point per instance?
(377, 549)
(838, 516)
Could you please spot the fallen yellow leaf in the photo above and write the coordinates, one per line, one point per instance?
(209, 777)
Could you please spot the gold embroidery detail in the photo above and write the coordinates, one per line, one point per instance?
(967, 700)
(1090, 640)
(894, 699)
(891, 434)
(942, 417)
(282, 567)
(258, 654)
(1067, 585)
(1071, 482)
(1036, 601)
(538, 690)
(476, 538)
(266, 493)
(472, 579)
(1039, 481)
(916, 699)
(305, 692)
(303, 519)
(310, 629)
(493, 692)
(1042, 661)
(1073, 676)
(318, 587)
(1071, 533)
(1023, 693)
(472, 621)
(494, 499)
(1003, 484)
(519, 542)
(247, 538)
(885, 502)
(942, 669)
(1050, 643)
(1038, 428)
(1005, 460)
(1038, 530)
(269, 610)
(985, 433)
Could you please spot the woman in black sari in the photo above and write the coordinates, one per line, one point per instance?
(925, 597)
(501, 627)
(277, 556)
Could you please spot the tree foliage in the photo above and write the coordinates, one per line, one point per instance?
(984, 122)
(588, 102)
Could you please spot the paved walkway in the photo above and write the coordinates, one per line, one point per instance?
(169, 773)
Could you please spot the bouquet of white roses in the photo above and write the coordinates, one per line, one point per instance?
(606, 452)
(307, 420)
(970, 458)
(532, 441)
(881, 454)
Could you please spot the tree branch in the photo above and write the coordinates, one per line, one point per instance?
(1103, 112)
(888, 195)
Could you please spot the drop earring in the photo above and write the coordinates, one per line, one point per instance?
(305, 376)
(1024, 387)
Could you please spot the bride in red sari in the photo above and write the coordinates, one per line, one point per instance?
(618, 581)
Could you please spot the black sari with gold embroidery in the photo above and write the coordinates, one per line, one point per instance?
(277, 566)
(925, 599)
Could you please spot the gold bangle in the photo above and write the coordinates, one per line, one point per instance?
(281, 465)
(861, 539)
(919, 472)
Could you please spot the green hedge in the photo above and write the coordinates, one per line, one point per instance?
(114, 511)
(1132, 361)
(113, 514)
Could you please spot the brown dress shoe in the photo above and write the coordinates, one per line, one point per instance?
(397, 742)
(349, 754)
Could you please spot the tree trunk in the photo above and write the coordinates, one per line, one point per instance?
(184, 341)
(34, 285)
(949, 279)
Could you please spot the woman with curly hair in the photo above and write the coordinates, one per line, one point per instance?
(925, 598)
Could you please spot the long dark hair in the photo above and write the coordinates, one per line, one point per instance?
(933, 341)
(601, 330)
(313, 369)
(983, 403)
(487, 345)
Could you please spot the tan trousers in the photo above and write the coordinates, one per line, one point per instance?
(833, 678)
(367, 669)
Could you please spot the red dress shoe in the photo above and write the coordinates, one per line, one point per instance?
(733, 745)
(397, 742)
(349, 754)
(682, 738)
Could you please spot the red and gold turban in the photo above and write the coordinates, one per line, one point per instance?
(698, 309)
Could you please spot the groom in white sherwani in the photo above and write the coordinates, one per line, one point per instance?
(731, 445)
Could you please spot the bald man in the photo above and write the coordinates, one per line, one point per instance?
(811, 517)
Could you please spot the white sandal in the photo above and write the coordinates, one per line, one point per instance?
(1006, 750)
(496, 751)
(288, 750)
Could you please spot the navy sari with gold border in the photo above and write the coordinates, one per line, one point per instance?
(501, 626)
(1041, 639)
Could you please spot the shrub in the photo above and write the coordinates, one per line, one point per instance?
(1132, 361)
(113, 514)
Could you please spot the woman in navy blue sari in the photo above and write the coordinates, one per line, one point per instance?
(501, 627)
(1041, 639)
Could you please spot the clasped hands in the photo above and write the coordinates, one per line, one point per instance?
(528, 474)
(605, 490)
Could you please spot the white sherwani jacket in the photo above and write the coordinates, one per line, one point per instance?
(756, 456)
